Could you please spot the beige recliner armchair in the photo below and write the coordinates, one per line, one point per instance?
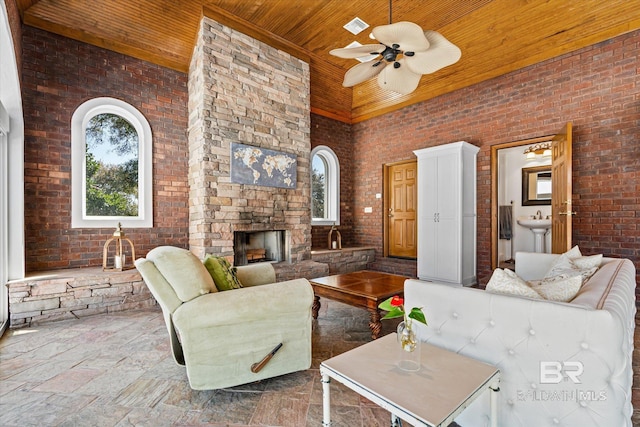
(219, 336)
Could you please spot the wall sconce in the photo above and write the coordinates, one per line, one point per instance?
(541, 148)
(119, 259)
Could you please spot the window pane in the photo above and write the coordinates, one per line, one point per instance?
(318, 187)
(111, 166)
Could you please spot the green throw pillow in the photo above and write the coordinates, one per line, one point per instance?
(223, 274)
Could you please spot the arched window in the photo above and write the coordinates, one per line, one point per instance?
(325, 187)
(111, 165)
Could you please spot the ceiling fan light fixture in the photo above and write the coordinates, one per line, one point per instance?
(401, 43)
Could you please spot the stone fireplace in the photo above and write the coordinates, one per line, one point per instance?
(242, 90)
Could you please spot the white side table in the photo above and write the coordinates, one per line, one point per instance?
(433, 396)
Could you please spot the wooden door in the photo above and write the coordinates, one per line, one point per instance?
(402, 203)
(561, 208)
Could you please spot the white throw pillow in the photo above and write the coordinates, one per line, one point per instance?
(587, 262)
(583, 262)
(562, 290)
(506, 282)
(573, 253)
(572, 263)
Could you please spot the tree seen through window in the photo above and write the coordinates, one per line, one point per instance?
(111, 166)
(318, 187)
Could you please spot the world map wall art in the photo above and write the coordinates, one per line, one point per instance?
(261, 166)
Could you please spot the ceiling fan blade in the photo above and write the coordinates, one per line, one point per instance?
(361, 73)
(401, 80)
(357, 52)
(408, 35)
(442, 53)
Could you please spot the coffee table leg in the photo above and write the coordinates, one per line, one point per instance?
(315, 307)
(374, 324)
(326, 401)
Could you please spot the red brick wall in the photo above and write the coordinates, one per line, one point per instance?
(59, 74)
(595, 88)
(337, 136)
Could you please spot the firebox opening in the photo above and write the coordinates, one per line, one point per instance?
(259, 246)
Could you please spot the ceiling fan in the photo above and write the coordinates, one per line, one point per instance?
(403, 55)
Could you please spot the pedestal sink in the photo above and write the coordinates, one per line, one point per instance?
(539, 228)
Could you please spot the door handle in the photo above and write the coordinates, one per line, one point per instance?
(569, 212)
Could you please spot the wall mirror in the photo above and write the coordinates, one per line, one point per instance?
(536, 186)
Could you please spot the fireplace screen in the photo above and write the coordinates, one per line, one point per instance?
(259, 246)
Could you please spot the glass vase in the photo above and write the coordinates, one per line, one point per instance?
(409, 347)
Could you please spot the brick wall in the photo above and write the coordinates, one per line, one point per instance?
(242, 90)
(59, 74)
(595, 88)
(337, 136)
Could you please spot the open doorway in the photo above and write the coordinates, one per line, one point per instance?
(522, 194)
(509, 167)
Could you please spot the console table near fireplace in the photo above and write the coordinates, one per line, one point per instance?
(364, 289)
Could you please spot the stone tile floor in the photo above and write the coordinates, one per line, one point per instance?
(117, 370)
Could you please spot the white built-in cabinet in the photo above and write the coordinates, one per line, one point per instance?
(447, 213)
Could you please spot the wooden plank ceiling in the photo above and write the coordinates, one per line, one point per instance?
(495, 36)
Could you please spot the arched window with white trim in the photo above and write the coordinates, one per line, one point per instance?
(325, 187)
(111, 158)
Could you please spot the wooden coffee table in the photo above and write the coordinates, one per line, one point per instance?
(364, 289)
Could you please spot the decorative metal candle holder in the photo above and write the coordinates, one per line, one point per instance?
(334, 244)
(119, 260)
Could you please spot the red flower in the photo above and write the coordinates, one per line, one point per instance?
(397, 301)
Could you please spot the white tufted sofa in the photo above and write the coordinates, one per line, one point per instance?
(594, 331)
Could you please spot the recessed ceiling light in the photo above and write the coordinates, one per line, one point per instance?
(356, 26)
